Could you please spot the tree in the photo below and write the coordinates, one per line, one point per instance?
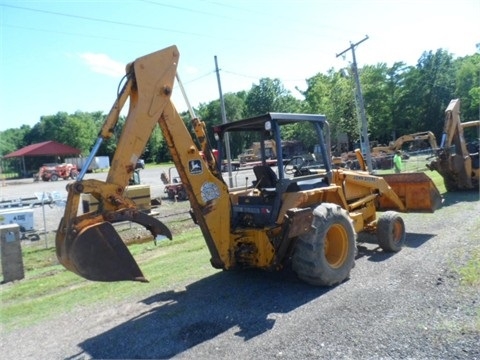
(82, 126)
(78, 130)
(13, 139)
(268, 96)
(468, 86)
(211, 114)
(429, 88)
(374, 90)
(332, 94)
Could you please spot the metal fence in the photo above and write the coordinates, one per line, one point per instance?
(412, 162)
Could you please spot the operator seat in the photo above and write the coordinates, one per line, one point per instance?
(266, 177)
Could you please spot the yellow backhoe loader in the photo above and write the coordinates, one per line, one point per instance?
(299, 215)
(458, 165)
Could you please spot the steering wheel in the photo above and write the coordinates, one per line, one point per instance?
(293, 165)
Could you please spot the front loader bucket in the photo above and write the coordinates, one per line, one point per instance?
(98, 253)
(416, 190)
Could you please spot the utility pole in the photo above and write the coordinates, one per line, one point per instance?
(224, 121)
(364, 142)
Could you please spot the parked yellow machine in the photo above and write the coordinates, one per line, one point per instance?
(458, 166)
(300, 215)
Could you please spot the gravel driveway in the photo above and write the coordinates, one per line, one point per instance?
(408, 305)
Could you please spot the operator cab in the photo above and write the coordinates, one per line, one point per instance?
(292, 169)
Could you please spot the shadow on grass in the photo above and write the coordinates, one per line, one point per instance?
(241, 302)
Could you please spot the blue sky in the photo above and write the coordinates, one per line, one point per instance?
(70, 55)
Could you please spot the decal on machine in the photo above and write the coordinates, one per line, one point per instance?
(195, 167)
(209, 192)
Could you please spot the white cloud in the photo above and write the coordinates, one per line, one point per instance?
(191, 70)
(102, 64)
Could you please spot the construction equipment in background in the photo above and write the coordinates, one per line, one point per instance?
(454, 161)
(255, 152)
(54, 171)
(98, 163)
(397, 144)
(383, 155)
(173, 186)
(309, 221)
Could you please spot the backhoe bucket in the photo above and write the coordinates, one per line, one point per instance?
(98, 253)
(416, 190)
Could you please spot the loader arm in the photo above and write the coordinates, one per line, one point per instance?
(356, 185)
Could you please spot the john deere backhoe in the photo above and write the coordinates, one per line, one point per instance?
(304, 215)
(458, 165)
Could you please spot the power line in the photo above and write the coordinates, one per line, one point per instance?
(200, 77)
(170, 30)
(258, 77)
(73, 34)
(106, 21)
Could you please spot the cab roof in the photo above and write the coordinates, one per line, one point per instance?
(257, 123)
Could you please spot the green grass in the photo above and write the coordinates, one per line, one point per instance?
(48, 288)
(469, 268)
(470, 272)
(437, 180)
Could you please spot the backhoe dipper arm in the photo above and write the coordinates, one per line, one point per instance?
(207, 192)
(457, 163)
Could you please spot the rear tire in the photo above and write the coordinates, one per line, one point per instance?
(54, 177)
(325, 256)
(391, 231)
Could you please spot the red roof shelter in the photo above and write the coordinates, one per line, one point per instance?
(45, 148)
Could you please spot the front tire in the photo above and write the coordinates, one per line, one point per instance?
(325, 256)
(391, 231)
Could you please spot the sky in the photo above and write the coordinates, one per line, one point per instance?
(68, 56)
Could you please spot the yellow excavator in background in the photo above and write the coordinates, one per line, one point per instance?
(458, 165)
(300, 215)
(383, 155)
(397, 144)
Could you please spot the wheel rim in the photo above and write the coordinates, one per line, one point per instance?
(336, 246)
(397, 231)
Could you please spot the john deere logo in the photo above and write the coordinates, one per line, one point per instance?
(195, 166)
